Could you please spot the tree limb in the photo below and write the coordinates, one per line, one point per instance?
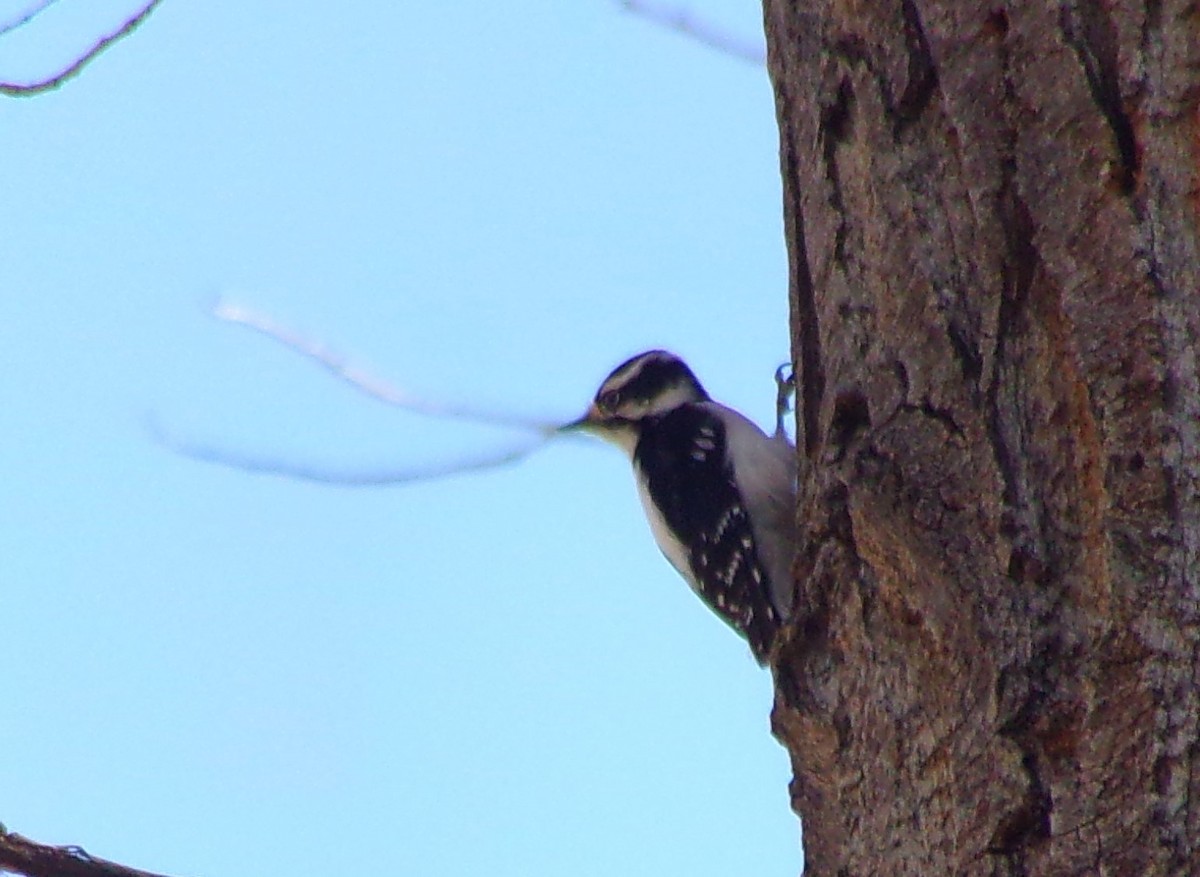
(20, 855)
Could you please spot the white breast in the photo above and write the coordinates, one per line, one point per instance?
(674, 550)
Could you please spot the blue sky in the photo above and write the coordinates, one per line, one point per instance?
(213, 673)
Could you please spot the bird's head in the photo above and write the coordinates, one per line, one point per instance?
(645, 386)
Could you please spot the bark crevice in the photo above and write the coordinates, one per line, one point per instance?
(922, 79)
(1089, 31)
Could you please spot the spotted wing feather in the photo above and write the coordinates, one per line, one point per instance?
(682, 456)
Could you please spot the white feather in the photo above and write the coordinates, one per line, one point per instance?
(674, 550)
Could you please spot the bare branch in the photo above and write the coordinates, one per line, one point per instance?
(373, 387)
(14, 89)
(26, 16)
(266, 465)
(681, 20)
(362, 380)
(19, 855)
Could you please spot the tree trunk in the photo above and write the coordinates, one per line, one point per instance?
(992, 215)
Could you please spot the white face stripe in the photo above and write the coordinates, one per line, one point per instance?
(679, 394)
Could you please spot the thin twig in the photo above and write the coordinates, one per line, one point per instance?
(681, 20)
(371, 386)
(20, 855)
(25, 17)
(15, 89)
(266, 465)
(361, 379)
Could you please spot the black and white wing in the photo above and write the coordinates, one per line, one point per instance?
(701, 521)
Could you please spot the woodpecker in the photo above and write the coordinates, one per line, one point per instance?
(718, 492)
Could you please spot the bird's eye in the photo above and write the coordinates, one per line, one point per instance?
(610, 400)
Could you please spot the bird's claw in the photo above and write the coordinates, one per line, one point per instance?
(785, 389)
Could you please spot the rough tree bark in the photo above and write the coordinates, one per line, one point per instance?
(992, 214)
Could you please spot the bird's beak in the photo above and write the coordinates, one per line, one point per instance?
(590, 421)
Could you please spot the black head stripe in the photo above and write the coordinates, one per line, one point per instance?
(646, 377)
